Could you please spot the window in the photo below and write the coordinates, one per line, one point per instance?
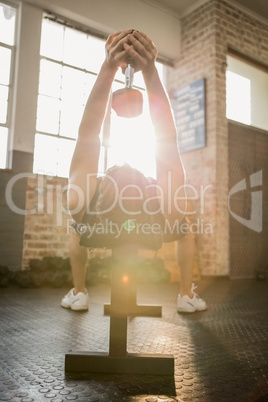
(7, 49)
(69, 63)
(246, 92)
(238, 99)
(67, 73)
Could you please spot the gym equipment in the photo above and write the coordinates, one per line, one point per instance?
(118, 360)
(123, 305)
(23, 279)
(128, 102)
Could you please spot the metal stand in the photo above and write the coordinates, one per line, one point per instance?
(118, 360)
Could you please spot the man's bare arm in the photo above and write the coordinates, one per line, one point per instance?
(170, 172)
(84, 164)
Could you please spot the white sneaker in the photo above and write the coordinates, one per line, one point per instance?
(186, 304)
(77, 302)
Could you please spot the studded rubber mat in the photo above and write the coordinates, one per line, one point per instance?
(220, 354)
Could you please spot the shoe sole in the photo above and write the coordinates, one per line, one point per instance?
(79, 308)
(74, 308)
(191, 311)
(185, 311)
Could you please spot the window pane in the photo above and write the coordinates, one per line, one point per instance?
(45, 154)
(52, 40)
(7, 24)
(66, 149)
(3, 147)
(73, 84)
(71, 115)
(52, 155)
(238, 99)
(3, 104)
(48, 114)
(50, 78)
(95, 54)
(5, 59)
(73, 98)
(75, 48)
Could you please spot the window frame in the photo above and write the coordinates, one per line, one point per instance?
(253, 64)
(11, 89)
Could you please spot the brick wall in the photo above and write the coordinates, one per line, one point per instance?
(46, 224)
(206, 35)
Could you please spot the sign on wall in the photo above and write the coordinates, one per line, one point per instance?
(189, 113)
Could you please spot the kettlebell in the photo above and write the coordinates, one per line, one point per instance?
(128, 102)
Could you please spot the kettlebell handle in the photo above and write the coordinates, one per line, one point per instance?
(129, 76)
(128, 102)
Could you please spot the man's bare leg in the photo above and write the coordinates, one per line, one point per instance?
(185, 258)
(77, 299)
(78, 256)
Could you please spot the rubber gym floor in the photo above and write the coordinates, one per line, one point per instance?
(220, 354)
